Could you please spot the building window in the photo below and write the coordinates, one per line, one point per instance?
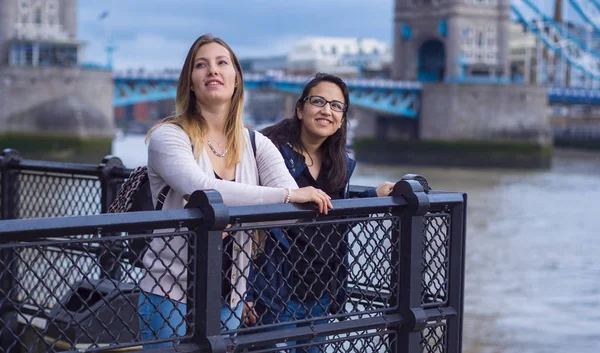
(468, 35)
(21, 54)
(29, 54)
(491, 37)
(38, 16)
(13, 59)
(51, 7)
(54, 55)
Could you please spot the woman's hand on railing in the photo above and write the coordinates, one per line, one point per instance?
(385, 189)
(311, 194)
(249, 315)
(225, 233)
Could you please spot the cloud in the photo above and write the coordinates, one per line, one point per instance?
(151, 51)
(156, 32)
(275, 45)
(151, 33)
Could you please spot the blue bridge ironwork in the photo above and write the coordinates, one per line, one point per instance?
(393, 97)
(399, 98)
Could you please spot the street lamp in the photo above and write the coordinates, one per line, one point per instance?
(110, 46)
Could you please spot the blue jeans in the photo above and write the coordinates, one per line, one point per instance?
(297, 311)
(163, 318)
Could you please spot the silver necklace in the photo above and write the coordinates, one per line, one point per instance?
(218, 143)
(215, 151)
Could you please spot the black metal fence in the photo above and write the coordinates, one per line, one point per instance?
(70, 276)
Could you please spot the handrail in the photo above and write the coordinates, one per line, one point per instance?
(36, 228)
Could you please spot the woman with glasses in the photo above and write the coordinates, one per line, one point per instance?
(301, 272)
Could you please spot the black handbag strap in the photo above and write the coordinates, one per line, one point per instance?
(160, 200)
(252, 141)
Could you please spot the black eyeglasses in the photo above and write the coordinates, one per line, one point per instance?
(319, 101)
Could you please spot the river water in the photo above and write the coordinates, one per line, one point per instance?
(532, 280)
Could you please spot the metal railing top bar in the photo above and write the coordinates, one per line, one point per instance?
(57, 167)
(114, 164)
(357, 189)
(35, 228)
(445, 198)
(347, 207)
(28, 229)
(122, 173)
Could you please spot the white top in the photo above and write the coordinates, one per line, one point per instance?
(171, 161)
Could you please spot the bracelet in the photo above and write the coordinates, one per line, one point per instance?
(288, 195)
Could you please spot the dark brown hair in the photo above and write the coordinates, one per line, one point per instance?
(333, 149)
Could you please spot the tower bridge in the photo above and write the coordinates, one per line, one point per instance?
(50, 105)
(451, 41)
(452, 75)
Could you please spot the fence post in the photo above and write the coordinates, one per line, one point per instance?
(409, 236)
(458, 217)
(10, 183)
(9, 205)
(109, 185)
(205, 253)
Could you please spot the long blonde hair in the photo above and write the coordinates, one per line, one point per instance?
(190, 119)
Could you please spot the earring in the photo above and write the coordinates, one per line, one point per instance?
(192, 88)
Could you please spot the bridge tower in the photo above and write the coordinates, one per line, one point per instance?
(447, 39)
(44, 91)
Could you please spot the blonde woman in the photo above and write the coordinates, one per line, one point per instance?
(205, 146)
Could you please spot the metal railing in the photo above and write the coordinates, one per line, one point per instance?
(69, 279)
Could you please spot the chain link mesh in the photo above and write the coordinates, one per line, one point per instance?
(55, 195)
(435, 259)
(434, 339)
(382, 341)
(78, 292)
(308, 273)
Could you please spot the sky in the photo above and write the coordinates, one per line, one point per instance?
(156, 34)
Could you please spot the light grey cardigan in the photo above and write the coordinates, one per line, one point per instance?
(171, 161)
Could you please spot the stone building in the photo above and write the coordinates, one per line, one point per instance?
(447, 39)
(42, 81)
